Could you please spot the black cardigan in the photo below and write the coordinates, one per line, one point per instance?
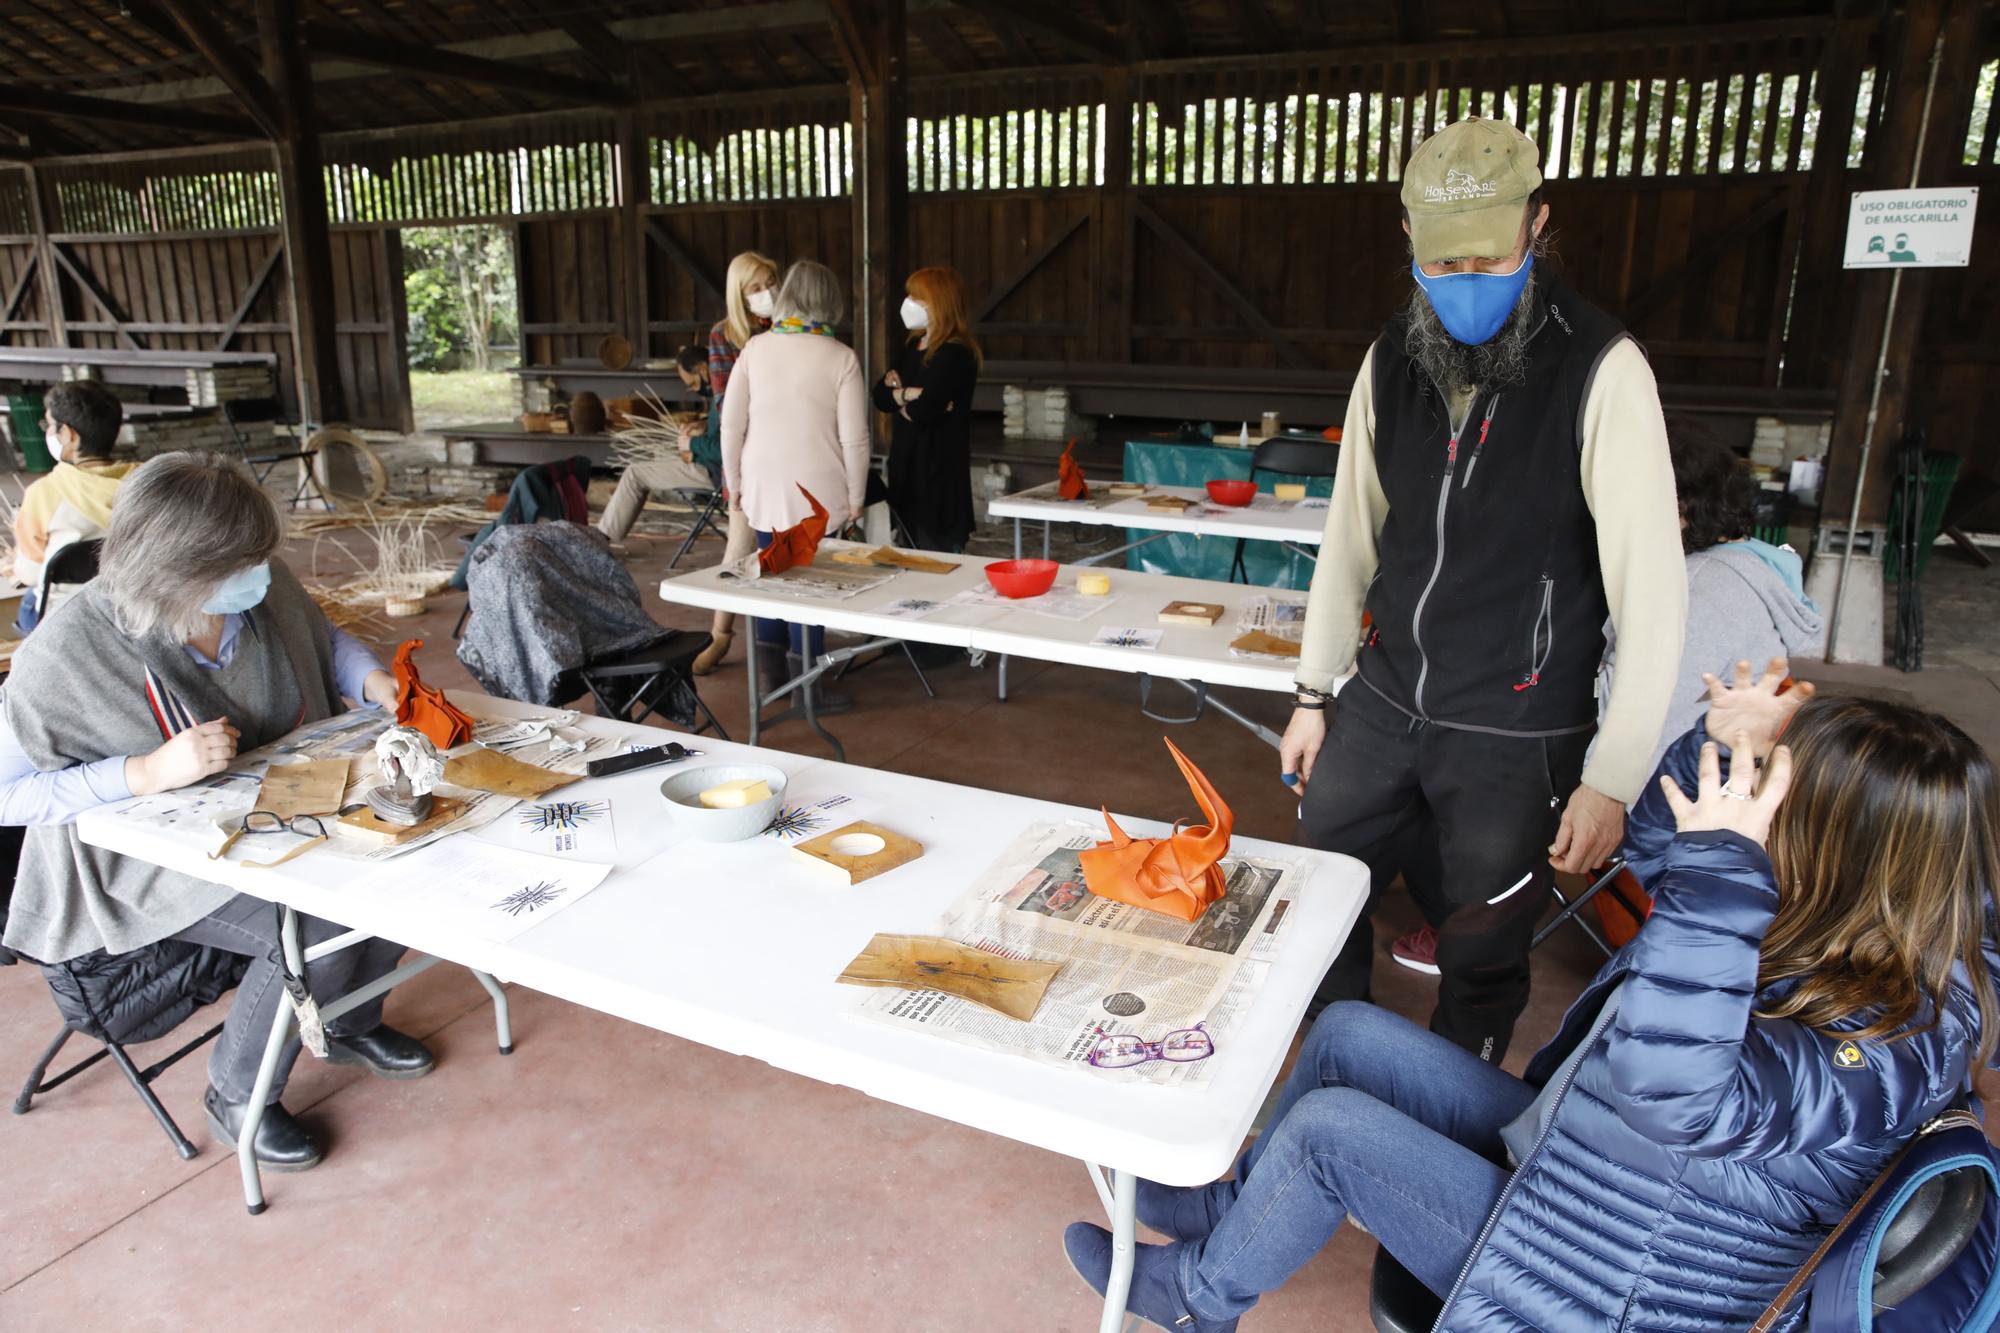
(930, 451)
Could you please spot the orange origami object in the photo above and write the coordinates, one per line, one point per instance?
(797, 544)
(426, 709)
(1180, 874)
(1069, 475)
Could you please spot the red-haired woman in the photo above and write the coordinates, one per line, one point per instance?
(929, 390)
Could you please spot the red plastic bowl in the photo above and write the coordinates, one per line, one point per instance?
(1232, 492)
(1021, 578)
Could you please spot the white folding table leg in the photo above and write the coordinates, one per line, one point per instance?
(501, 1018)
(267, 1069)
(1121, 1203)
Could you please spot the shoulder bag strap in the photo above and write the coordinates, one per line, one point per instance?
(1954, 1119)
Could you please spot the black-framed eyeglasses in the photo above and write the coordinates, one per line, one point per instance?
(257, 822)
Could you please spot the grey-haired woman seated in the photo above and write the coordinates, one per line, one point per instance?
(193, 642)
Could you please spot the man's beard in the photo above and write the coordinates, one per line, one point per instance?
(1500, 362)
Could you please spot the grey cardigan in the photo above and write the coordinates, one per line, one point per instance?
(79, 692)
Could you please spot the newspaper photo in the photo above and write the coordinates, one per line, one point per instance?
(1124, 969)
(1279, 617)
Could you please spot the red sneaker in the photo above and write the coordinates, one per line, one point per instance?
(1417, 951)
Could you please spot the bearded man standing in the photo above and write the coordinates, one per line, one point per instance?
(1504, 487)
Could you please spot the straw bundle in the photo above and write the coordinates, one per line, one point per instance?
(647, 440)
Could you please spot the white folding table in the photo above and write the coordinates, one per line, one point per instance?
(1197, 656)
(1297, 525)
(668, 941)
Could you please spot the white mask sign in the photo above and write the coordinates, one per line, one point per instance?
(1911, 228)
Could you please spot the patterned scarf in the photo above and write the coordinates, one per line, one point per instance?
(792, 324)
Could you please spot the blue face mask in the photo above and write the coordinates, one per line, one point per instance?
(1473, 306)
(240, 591)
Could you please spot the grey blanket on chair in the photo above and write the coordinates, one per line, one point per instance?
(546, 599)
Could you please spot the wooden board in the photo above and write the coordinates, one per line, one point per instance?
(1010, 986)
(489, 770)
(1190, 613)
(313, 787)
(851, 868)
(890, 556)
(1257, 641)
(363, 823)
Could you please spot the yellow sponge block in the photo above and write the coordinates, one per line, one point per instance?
(1288, 490)
(1093, 585)
(735, 795)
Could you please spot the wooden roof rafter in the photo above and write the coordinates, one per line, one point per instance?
(1051, 21)
(365, 48)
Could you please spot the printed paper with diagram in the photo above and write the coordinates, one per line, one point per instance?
(1124, 969)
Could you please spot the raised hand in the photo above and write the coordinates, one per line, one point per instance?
(1753, 708)
(1745, 804)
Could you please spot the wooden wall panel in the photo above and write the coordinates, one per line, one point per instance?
(186, 292)
(572, 282)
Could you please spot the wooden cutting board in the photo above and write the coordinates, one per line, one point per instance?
(314, 787)
(489, 770)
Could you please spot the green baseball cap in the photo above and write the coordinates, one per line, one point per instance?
(1465, 188)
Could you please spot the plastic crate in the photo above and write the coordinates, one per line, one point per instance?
(1940, 475)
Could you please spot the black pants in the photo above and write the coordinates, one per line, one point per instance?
(1494, 803)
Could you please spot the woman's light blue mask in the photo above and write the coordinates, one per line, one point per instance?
(1474, 306)
(240, 591)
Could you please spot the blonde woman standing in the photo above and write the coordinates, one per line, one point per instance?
(750, 291)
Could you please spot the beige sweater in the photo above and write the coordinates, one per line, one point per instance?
(1628, 483)
(796, 414)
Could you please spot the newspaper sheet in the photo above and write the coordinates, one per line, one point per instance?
(1124, 969)
(820, 583)
(1279, 617)
(1057, 603)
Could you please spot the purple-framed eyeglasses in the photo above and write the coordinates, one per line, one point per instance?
(1123, 1050)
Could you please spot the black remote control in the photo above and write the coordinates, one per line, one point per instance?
(646, 758)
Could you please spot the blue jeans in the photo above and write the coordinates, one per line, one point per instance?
(1380, 1119)
(809, 640)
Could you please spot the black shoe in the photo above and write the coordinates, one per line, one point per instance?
(1155, 1295)
(386, 1052)
(282, 1143)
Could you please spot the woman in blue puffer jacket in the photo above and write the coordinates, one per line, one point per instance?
(1722, 1092)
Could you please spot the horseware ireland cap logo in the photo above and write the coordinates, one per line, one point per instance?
(1459, 185)
(1848, 1055)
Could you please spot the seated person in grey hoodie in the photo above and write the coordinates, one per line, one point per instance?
(1746, 598)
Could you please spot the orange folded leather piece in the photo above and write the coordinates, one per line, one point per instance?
(797, 544)
(426, 709)
(1180, 874)
(1069, 475)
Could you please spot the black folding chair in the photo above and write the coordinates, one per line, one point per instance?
(285, 448)
(1293, 458)
(144, 971)
(68, 566)
(707, 504)
(632, 685)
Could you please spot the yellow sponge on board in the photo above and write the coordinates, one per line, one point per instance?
(1093, 585)
(735, 795)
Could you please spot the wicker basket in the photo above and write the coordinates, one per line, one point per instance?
(402, 608)
(622, 412)
(545, 423)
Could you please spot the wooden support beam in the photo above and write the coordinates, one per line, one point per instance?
(201, 29)
(1112, 224)
(635, 188)
(88, 285)
(944, 44)
(45, 264)
(365, 48)
(687, 260)
(874, 40)
(1948, 31)
(38, 138)
(1057, 23)
(1702, 258)
(1160, 30)
(302, 195)
(785, 43)
(19, 291)
(72, 106)
(611, 58)
(258, 281)
(1185, 251)
(1262, 30)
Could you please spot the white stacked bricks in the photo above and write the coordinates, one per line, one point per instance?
(208, 387)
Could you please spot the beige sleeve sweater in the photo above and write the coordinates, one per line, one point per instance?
(1628, 483)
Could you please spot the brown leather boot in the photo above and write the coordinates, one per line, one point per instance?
(711, 656)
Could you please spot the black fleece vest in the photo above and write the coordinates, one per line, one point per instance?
(1488, 606)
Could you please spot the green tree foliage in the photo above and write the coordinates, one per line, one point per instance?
(459, 286)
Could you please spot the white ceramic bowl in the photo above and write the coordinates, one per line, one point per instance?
(683, 790)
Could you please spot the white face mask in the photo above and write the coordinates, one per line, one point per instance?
(761, 303)
(914, 314)
(54, 441)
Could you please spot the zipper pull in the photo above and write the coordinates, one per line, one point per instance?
(1534, 679)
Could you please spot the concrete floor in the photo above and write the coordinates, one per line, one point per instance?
(609, 1177)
